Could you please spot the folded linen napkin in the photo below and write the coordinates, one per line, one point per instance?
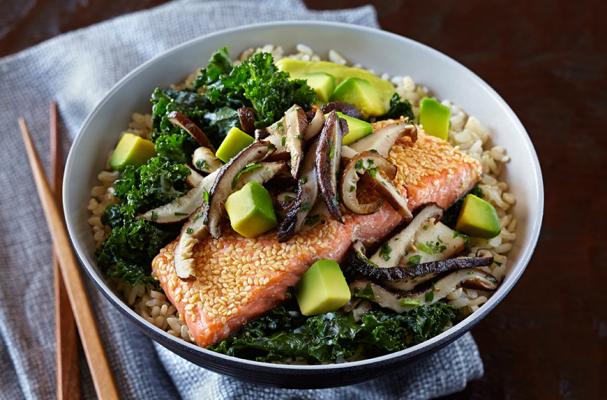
(77, 69)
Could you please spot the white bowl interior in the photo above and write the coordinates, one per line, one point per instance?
(374, 49)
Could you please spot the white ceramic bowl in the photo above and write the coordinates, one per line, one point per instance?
(381, 51)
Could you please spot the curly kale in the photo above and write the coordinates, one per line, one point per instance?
(127, 252)
(399, 108)
(334, 337)
(155, 183)
(256, 83)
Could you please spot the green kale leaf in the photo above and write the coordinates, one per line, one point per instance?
(399, 108)
(256, 83)
(284, 334)
(150, 185)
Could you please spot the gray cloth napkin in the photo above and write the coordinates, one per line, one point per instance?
(77, 69)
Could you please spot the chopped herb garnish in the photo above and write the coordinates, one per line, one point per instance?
(206, 196)
(431, 247)
(414, 260)
(201, 165)
(358, 164)
(283, 141)
(352, 188)
(331, 152)
(409, 302)
(306, 207)
(189, 231)
(384, 251)
(303, 180)
(429, 296)
(372, 172)
(248, 168)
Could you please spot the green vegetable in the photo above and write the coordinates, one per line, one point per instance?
(334, 337)
(478, 218)
(235, 141)
(256, 83)
(451, 214)
(251, 210)
(414, 260)
(399, 108)
(131, 150)
(322, 288)
(360, 93)
(384, 251)
(322, 83)
(357, 129)
(434, 117)
(127, 252)
(155, 183)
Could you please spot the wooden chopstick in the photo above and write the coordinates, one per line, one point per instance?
(66, 336)
(83, 313)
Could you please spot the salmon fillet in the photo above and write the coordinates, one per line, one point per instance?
(432, 171)
(239, 279)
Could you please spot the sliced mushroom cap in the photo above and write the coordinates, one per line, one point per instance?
(191, 233)
(397, 199)
(205, 161)
(183, 206)
(283, 203)
(407, 277)
(182, 121)
(328, 158)
(315, 125)
(295, 125)
(382, 140)
(344, 108)
(260, 172)
(364, 162)
(222, 187)
(194, 179)
(307, 192)
(348, 152)
(246, 117)
(400, 242)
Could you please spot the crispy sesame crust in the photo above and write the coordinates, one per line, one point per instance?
(432, 171)
(239, 278)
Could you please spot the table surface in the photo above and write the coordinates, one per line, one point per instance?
(548, 59)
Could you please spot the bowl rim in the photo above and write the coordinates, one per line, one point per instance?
(454, 332)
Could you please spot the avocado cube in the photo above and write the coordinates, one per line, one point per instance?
(322, 83)
(322, 288)
(234, 142)
(434, 117)
(361, 94)
(131, 150)
(478, 218)
(357, 129)
(250, 210)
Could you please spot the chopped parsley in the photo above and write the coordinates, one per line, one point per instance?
(431, 248)
(414, 260)
(384, 252)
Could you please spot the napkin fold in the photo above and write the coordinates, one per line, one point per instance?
(77, 69)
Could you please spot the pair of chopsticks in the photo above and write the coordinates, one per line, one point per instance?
(101, 374)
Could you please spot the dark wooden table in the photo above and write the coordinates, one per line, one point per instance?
(548, 59)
